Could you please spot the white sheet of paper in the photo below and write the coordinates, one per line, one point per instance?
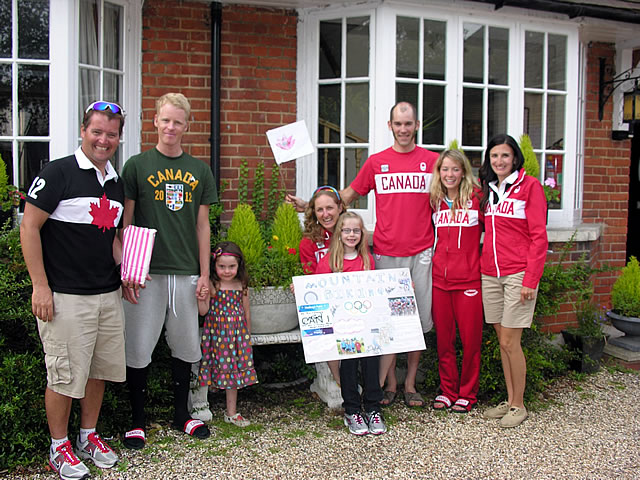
(357, 314)
(290, 142)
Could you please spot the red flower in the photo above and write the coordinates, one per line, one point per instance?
(292, 251)
(270, 247)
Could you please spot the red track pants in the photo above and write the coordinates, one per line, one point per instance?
(464, 308)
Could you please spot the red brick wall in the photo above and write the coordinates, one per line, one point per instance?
(606, 177)
(176, 57)
(258, 84)
(258, 90)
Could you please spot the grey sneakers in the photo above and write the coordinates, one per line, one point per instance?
(64, 462)
(356, 424)
(376, 423)
(96, 450)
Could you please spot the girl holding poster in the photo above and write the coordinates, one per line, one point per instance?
(349, 252)
(457, 218)
(513, 256)
(320, 218)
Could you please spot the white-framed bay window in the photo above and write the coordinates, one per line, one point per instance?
(472, 73)
(95, 55)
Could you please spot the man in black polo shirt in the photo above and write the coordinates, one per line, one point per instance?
(71, 249)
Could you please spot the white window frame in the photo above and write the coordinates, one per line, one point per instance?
(64, 73)
(383, 25)
(15, 62)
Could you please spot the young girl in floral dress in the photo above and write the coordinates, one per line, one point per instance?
(227, 356)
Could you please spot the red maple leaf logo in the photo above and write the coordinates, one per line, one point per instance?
(103, 213)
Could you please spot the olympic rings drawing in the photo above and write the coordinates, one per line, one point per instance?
(310, 293)
(359, 306)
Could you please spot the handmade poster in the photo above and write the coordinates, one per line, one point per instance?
(357, 314)
(290, 142)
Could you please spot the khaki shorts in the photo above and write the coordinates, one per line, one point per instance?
(84, 340)
(501, 301)
(420, 267)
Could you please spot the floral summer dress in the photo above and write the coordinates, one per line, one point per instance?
(227, 356)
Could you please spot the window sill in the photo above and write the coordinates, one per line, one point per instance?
(585, 232)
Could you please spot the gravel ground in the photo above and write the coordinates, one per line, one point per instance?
(585, 430)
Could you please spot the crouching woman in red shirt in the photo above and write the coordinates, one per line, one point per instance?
(513, 256)
(457, 218)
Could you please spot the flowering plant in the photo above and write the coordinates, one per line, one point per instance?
(274, 260)
(10, 195)
(550, 192)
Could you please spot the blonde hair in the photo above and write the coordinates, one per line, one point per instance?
(178, 100)
(467, 183)
(336, 248)
(312, 228)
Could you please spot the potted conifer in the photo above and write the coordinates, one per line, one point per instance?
(625, 299)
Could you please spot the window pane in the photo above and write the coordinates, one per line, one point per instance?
(112, 88)
(112, 36)
(354, 159)
(89, 89)
(473, 52)
(88, 44)
(358, 47)
(557, 59)
(33, 156)
(6, 151)
(5, 100)
(357, 113)
(329, 167)
(433, 115)
(329, 118)
(407, 47)
(407, 92)
(496, 113)
(472, 116)
(330, 48)
(475, 157)
(533, 58)
(533, 118)
(498, 56)
(555, 122)
(33, 100)
(5, 29)
(435, 49)
(553, 170)
(33, 28)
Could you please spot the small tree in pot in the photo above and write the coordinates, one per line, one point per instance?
(625, 299)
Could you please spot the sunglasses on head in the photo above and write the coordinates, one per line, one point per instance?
(328, 188)
(102, 106)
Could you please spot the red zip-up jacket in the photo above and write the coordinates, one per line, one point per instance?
(456, 259)
(515, 238)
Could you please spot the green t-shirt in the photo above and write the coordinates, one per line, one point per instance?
(168, 193)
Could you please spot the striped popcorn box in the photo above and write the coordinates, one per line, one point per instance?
(137, 246)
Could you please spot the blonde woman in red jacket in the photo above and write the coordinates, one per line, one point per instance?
(513, 256)
(457, 219)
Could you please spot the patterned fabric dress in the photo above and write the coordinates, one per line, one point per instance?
(227, 356)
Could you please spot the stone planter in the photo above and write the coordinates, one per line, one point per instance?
(588, 351)
(273, 310)
(629, 325)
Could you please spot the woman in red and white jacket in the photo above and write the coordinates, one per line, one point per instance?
(457, 218)
(513, 256)
(320, 218)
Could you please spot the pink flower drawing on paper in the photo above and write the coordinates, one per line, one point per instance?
(286, 143)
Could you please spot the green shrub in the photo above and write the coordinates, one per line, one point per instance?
(625, 294)
(545, 363)
(24, 435)
(531, 165)
(245, 232)
(286, 230)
